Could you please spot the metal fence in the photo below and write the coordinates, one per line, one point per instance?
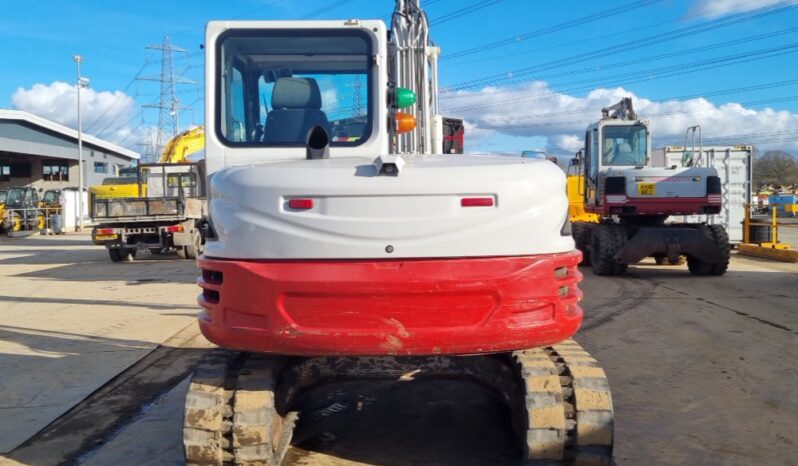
(28, 220)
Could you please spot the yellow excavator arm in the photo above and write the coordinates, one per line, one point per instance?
(184, 144)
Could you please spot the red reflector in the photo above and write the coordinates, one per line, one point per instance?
(105, 231)
(174, 229)
(300, 204)
(476, 202)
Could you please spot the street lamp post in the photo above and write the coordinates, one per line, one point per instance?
(81, 82)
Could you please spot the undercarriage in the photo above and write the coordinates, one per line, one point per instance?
(241, 407)
(610, 247)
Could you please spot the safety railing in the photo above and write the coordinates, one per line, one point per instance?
(30, 219)
(761, 238)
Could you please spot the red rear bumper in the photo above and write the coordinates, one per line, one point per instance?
(623, 205)
(402, 307)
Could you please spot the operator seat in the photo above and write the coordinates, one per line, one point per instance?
(624, 155)
(296, 108)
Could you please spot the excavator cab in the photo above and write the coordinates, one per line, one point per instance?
(613, 144)
(278, 84)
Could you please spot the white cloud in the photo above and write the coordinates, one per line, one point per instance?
(568, 142)
(329, 99)
(105, 114)
(535, 110)
(717, 8)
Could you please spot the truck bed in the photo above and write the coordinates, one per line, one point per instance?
(124, 210)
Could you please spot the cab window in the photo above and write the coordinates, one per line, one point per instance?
(624, 145)
(278, 84)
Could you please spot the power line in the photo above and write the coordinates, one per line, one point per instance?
(325, 9)
(626, 46)
(495, 124)
(239, 16)
(462, 12)
(654, 74)
(613, 34)
(772, 85)
(117, 99)
(621, 64)
(126, 123)
(751, 138)
(551, 29)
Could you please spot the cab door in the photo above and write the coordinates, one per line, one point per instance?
(591, 171)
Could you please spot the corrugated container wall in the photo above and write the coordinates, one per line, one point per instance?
(733, 164)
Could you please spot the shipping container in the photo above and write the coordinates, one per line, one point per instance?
(733, 164)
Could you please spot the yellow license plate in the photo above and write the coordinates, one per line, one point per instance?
(646, 189)
(105, 237)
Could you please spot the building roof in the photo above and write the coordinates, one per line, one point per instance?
(19, 115)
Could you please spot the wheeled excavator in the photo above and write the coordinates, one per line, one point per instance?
(343, 243)
(632, 199)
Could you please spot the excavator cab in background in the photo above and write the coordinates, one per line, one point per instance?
(633, 200)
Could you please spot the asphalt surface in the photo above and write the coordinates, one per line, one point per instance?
(703, 370)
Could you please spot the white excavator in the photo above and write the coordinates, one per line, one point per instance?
(342, 243)
(632, 200)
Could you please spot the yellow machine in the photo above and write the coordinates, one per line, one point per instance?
(180, 147)
(177, 150)
(576, 201)
(125, 186)
(3, 195)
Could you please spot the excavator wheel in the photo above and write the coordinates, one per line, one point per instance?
(238, 405)
(581, 234)
(605, 242)
(720, 238)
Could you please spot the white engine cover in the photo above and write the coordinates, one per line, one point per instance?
(357, 214)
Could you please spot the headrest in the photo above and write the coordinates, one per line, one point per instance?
(296, 93)
(624, 147)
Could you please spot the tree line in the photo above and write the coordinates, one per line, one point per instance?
(775, 167)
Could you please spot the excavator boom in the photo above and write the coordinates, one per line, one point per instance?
(180, 147)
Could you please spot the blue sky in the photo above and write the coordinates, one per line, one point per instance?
(651, 51)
